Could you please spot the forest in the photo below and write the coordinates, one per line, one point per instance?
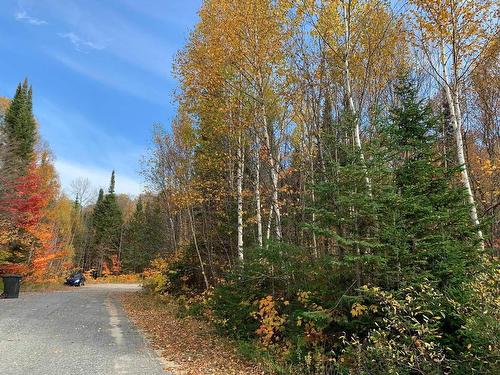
(328, 193)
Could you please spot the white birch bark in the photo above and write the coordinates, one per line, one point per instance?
(269, 223)
(239, 183)
(347, 82)
(452, 99)
(274, 176)
(258, 204)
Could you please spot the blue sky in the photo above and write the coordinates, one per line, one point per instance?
(101, 76)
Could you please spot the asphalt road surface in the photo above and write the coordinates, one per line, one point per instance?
(76, 331)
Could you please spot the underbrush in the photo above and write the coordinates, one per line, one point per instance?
(298, 315)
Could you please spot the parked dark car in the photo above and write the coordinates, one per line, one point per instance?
(76, 279)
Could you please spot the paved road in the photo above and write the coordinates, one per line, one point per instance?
(71, 332)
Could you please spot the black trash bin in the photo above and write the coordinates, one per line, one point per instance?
(11, 285)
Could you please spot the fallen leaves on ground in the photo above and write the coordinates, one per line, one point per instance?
(188, 346)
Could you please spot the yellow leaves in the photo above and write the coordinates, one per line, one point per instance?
(488, 168)
(4, 104)
(467, 25)
(358, 310)
(303, 297)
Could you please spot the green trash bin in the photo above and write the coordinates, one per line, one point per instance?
(11, 285)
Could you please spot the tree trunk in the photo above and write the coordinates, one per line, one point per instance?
(239, 182)
(274, 176)
(193, 232)
(269, 223)
(258, 205)
(456, 121)
(352, 108)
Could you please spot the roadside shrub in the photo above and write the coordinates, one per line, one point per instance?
(178, 275)
(279, 271)
(302, 315)
(293, 308)
(154, 277)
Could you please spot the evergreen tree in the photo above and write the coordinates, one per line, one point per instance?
(430, 234)
(113, 215)
(135, 240)
(111, 189)
(415, 226)
(100, 197)
(145, 236)
(107, 225)
(20, 127)
(98, 216)
(345, 211)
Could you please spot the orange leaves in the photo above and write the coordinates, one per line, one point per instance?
(13, 268)
(271, 323)
(485, 169)
(30, 232)
(115, 264)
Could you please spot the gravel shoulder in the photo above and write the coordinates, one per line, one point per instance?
(74, 331)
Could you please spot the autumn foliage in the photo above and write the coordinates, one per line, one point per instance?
(34, 233)
(330, 183)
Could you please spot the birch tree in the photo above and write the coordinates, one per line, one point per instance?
(453, 34)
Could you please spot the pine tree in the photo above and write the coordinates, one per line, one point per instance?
(113, 215)
(431, 235)
(107, 224)
(20, 127)
(97, 216)
(111, 189)
(100, 197)
(345, 207)
(145, 236)
(135, 241)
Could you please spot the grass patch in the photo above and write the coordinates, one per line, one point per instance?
(43, 285)
(28, 285)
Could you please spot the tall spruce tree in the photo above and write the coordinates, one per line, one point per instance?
(345, 210)
(112, 211)
(111, 189)
(415, 226)
(145, 236)
(20, 127)
(135, 240)
(430, 234)
(107, 225)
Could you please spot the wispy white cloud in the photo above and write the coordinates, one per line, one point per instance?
(112, 78)
(22, 16)
(123, 37)
(69, 171)
(81, 44)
